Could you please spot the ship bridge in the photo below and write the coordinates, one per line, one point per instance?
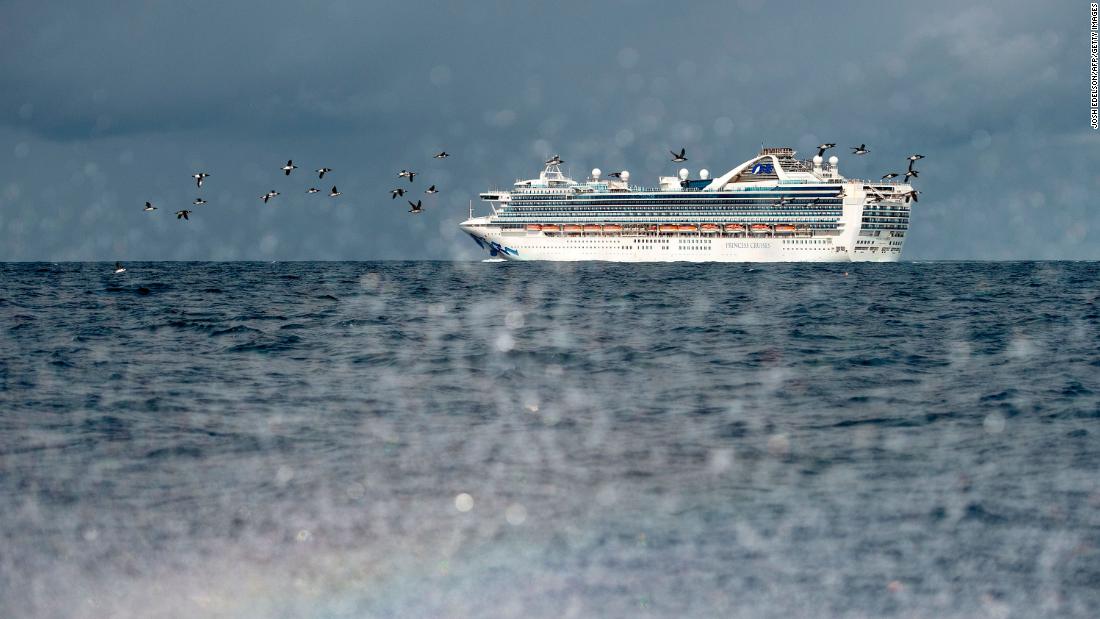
(777, 164)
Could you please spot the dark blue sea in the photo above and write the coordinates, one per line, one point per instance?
(545, 440)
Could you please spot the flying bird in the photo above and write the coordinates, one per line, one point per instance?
(824, 147)
(887, 177)
(119, 268)
(614, 175)
(396, 192)
(199, 178)
(555, 160)
(183, 215)
(321, 172)
(312, 190)
(431, 190)
(407, 174)
(915, 157)
(199, 202)
(911, 172)
(911, 195)
(333, 193)
(149, 207)
(289, 167)
(269, 195)
(860, 150)
(442, 155)
(681, 157)
(416, 208)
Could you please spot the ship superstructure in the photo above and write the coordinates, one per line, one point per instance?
(771, 208)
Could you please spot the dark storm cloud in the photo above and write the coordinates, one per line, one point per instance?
(103, 107)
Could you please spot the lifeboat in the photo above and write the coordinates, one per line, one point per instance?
(612, 228)
(572, 228)
(652, 228)
(709, 227)
(592, 228)
(668, 228)
(785, 228)
(734, 228)
(534, 227)
(548, 228)
(687, 228)
(760, 228)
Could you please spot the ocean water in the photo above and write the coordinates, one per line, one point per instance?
(541, 440)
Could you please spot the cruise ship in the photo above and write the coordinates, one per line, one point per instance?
(772, 208)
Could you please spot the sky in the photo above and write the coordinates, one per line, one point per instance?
(106, 105)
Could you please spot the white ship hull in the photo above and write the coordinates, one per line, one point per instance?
(523, 246)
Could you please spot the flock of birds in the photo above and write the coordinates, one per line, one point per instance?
(862, 149)
(200, 177)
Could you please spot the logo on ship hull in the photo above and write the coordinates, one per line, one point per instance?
(493, 247)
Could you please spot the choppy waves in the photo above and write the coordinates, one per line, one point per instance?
(277, 440)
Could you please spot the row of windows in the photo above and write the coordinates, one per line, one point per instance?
(886, 220)
(515, 212)
(795, 203)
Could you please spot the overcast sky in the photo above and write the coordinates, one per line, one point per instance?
(106, 105)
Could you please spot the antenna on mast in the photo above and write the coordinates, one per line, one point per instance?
(471, 209)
